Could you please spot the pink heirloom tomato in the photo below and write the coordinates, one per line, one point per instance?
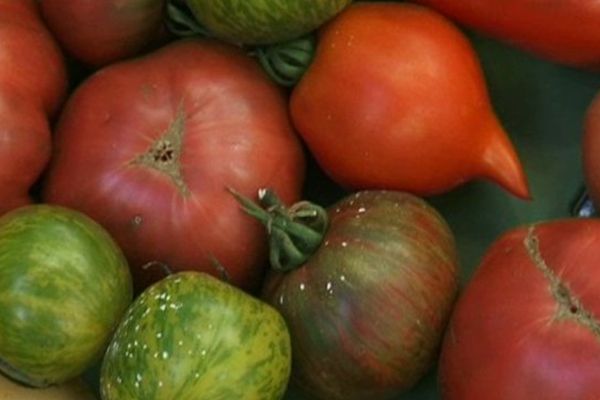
(149, 146)
(526, 325)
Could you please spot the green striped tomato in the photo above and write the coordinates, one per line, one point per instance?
(192, 336)
(263, 21)
(64, 285)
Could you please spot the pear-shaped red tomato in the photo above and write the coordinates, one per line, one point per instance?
(395, 98)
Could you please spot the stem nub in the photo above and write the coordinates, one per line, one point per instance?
(294, 233)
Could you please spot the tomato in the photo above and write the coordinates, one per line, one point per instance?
(263, 21)
(526, 325)
(368, 301)
(565, 31)
(101, 32)
(191, 336)
(73, 390)
(32, 86)
(591, 149)
(148, 147)
(402, 106)
(64, 286)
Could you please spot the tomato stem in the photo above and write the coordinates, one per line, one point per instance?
(286, 62)
(294, 233)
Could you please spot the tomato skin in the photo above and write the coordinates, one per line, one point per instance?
(591, 149)
(214, 341)
(526, 325)
(403, 106)
(258, 22)
(32, 86)
(64, 286)
(101, 32)
(367, 310)
(233, 129)
(566, 31)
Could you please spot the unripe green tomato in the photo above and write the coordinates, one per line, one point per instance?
(192, 336)
(263, 21)
(64, 286)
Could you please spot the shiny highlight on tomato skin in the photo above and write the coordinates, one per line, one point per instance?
(149, 146)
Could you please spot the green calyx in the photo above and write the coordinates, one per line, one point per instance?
(286, 62)
(294, 233)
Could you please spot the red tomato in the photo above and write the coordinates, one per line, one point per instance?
(32, 85)
(591, 150)
(526, 326)
(98, 32)
(566, 31)
(395, 99)
(148, 147)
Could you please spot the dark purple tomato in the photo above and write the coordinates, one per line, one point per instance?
(366, 310)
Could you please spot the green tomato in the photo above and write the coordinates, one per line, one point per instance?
(192, 336)
(263, 21)
(64, 286)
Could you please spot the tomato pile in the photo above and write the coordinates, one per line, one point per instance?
(283, 199)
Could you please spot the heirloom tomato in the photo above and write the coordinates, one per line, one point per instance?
(566, 31)
(263, 21)
(365, 287)
(526, 325)
(32, 85)
(591, 150)
(99, 32)
(191, 336)
(64, 286)
(148, 147)
(395, 98)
